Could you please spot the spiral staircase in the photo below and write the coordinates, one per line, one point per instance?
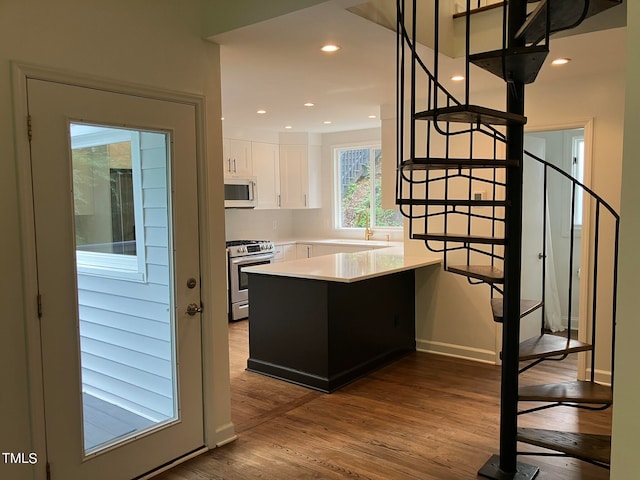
(460, 183)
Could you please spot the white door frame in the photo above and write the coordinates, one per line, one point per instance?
(218, 427)
(585, 257)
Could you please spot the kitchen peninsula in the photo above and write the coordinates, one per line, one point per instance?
(324, 321)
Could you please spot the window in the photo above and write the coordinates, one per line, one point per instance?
(577, 171)
(359, 189)
(107, 193)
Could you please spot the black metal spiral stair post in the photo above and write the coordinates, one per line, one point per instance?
(506, 465)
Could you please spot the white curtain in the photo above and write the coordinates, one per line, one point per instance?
(553, 312)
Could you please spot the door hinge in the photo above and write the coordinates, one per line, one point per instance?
(29, 128)
(48, 470)
(39, 306)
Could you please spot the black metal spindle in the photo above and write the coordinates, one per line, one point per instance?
(467, 47)
(594, 307)
(571, 257)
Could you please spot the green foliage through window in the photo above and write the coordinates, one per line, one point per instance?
(360, 189)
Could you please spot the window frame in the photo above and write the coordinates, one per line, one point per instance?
(115, 265)
(571, 141)
(337, 200)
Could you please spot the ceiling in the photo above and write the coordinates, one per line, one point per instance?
(277, 65)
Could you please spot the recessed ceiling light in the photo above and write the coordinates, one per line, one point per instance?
(457, 78)
(327, 122)
(309, 104)
(561, 61)
(329, 48)
(221, 118)
(372, 116)
(261, 112)
(288, 127)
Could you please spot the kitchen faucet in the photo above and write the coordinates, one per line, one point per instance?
(368, 233)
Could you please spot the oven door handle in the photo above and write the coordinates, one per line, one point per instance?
(251, 259)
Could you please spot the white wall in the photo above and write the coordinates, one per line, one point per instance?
(625, 461)
(149, 42)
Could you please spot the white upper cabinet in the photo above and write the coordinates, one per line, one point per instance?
(266, 169)
(300, 176)
(237, 161)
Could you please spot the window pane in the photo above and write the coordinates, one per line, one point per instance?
(103, 196)
(355, 186)
(126, 315)
(383, 217)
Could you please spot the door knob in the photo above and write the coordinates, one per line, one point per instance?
(193, 308)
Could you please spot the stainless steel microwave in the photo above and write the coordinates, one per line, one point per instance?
(240, 192)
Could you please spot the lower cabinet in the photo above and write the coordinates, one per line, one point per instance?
(304, 250)
(284, 252)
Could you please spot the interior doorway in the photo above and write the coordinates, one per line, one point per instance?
(564, 216)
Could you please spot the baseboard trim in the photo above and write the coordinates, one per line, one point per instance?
(456, 351)
(602, 376)
(173, 463)
(225, 434)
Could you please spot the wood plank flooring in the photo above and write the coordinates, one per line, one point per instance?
(424, 417)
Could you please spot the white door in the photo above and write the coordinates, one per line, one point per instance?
(532, 234)
(116, 220)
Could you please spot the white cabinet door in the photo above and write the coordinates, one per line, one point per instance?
(237, 158)
(304, 250)
(285, 252)
(293, 176)
(266, 169)
(300, 176)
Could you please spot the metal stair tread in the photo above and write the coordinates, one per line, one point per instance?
(424, 163)
(564, 15)
(470, 114)
(545, 346)
(520, 64)
(578, 391)
(441, 202)
(579, 445)
(526, 307)
(486, 273)
(459, 237)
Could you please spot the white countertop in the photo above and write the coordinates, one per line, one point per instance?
(347, 267)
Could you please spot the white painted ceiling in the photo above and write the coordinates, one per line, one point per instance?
(277, 65)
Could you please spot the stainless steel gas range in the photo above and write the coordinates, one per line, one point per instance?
(240, 254)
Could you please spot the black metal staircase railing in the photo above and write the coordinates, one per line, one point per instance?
(459, 181)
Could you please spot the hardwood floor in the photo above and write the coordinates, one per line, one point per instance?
(424, 417)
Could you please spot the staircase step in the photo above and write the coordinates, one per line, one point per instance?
(520, 64)
(585, 446)
(526, 307)
(455, 163)
(470, 114)
(460, 238)
(451, 202)
(564, 15)
(486, 273)
(546, 346)
(574, 392)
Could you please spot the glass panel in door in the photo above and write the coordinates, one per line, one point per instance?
(124, 278)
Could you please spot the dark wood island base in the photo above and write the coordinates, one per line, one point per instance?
(324, 334)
